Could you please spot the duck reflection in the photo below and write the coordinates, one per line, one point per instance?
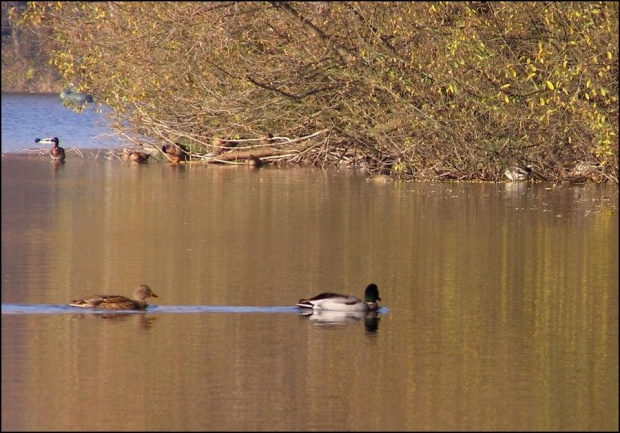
(143, 321)
(342, 318)
(56, 166)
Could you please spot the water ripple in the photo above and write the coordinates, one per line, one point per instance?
(186, 309)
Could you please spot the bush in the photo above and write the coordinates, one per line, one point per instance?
(423, 90)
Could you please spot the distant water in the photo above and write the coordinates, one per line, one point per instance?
(27, 116)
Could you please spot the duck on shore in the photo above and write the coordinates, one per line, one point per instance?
(518, 174)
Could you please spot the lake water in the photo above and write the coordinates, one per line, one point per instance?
(499, 301)
(27, 116)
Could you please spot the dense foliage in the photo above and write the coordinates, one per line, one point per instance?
(25, 66)
(448, 90)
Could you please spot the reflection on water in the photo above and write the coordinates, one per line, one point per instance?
(143, 321)
(340, 318)
(501, 301)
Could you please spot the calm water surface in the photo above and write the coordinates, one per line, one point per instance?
(500, 301)
(26, 116)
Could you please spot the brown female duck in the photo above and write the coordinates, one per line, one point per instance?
(266, 138)
(134, 156)
(220, 145)
(176, 152)
(117, 302)
(254, 161)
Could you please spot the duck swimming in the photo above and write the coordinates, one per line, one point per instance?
(138, 157)
(254, 161)
(177, 152)
(117, 302)
(134, 156)
(336, 302)
(57, 153)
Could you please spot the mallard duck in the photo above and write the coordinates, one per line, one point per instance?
(177, 152)
(585, 168)
(266, 138)
(217, 144)
(334, 301)
(117, 302)
(57, 153)
(254, 161)
(222, 145)
(138, 157)
(134, 156)
(77, 98)
(517, 174)
(585, 171)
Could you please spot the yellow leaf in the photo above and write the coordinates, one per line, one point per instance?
(550, 85)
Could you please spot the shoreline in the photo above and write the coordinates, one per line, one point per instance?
(95, 154)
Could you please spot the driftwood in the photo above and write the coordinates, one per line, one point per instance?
(245, 154)
(273, 148)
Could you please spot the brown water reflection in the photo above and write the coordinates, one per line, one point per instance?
(502, 301)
